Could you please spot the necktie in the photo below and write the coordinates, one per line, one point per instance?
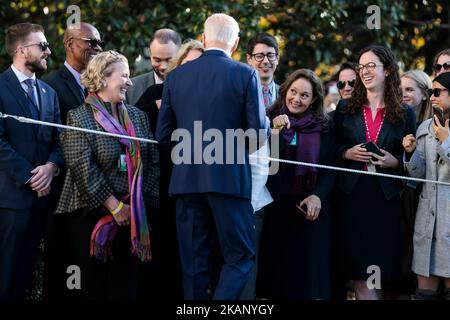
(85, 92)
(266, 96)
(31, 83)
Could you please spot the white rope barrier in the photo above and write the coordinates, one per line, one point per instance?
(379, 174)
(307, 164)
(57, 125)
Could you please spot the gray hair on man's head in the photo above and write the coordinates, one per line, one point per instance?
(222, 28)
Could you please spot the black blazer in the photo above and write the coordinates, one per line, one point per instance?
(147, 103)
(69, 92)
(350, 130)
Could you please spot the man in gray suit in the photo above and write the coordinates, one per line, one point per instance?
(162, 48)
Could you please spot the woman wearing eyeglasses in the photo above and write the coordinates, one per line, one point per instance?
(295, 240)
(111, 184)
(428, 156)
(368, 218)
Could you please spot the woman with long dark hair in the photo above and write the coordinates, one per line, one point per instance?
(369, 207)
(295, 241)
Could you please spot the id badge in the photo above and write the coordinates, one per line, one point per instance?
(122, 163)
(371, 167)
(294, 140)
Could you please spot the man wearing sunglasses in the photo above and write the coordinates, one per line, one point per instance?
(346, 79)
(80, 44)
(163, 46)
(30, 156)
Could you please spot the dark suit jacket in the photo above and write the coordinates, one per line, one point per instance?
(351, 131)
(68, 90)
(140, 84)
(147, 103)
(222, 94)
(25, 146)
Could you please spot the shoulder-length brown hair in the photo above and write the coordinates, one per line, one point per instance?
(392, 89)
(317, 106)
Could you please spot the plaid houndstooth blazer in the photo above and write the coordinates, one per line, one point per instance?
(92, 162)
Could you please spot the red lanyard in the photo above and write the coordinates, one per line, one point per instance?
(367, 110)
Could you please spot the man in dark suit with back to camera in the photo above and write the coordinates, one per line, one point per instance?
(30, 156)
(224, 95)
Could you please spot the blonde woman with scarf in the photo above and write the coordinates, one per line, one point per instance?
(111, 188)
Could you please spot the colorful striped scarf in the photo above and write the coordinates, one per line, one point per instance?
(104, 231)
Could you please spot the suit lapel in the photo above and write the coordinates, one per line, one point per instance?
(17, 91)
(44, 102)
(358, 124)
(72, 84)
(384, 133)
(151, 78)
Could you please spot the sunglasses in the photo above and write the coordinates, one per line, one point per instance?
(438, 67)
(93, 42)
(44, 45)
(341, 84)
(435, 92)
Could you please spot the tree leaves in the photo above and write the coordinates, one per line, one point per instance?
(312, 33)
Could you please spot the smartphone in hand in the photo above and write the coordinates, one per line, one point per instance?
(439, 112)
(303, 208)
(372, 147)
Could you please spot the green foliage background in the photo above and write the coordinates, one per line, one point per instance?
(317, 34)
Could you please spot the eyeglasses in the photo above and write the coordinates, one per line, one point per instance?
(341, 84)
(114, 53)
(438, 67)
(260, 56)
(93, 42)
(369, 66)
(44, 45)
(436, 92)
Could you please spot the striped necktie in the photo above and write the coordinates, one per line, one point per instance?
(266, 96)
